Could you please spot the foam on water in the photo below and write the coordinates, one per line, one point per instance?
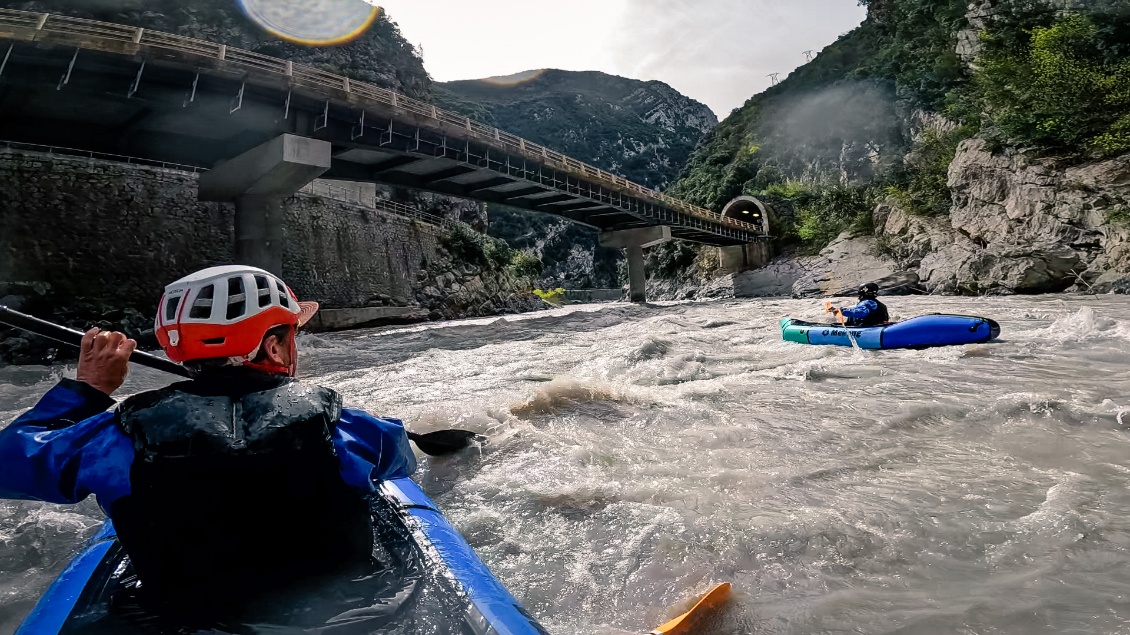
(637, 455)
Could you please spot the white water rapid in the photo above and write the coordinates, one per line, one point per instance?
(637, 455)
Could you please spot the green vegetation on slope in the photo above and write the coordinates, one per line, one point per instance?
(570, 252)
(1060, 83)
(854, 126)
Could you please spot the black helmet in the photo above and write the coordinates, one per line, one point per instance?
(869, 291)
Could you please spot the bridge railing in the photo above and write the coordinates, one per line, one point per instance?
(179, 42)
(255, 61)
(100, 156)
(43, 22)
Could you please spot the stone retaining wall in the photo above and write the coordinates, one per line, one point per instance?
(120, 233)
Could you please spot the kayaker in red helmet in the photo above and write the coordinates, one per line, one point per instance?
(236, 482)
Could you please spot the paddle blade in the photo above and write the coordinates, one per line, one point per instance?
(443, 442)
(689, 622)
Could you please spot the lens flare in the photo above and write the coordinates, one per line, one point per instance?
(312, 22)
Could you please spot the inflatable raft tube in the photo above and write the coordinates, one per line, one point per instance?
(425, 578)
(924, 331)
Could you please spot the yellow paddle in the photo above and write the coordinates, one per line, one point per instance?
(828, 309)
(688, 623)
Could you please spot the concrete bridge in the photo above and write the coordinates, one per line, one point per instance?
(270, 127)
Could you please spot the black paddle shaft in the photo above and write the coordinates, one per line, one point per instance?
(72, 337)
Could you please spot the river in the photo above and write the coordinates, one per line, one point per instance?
(638, 454)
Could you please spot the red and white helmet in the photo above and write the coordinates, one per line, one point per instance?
(225, 312)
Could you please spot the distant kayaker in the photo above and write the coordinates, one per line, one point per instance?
(869, 312)
(238, 481)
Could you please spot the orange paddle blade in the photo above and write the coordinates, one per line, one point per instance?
(686, 623)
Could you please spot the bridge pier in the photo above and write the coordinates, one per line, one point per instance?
(259, 231)
(634, 241)
(258, 182)
(744, 257)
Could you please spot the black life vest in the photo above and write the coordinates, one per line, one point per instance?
(878, 316)
(236, 489)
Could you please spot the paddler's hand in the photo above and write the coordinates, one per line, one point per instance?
(103, 361)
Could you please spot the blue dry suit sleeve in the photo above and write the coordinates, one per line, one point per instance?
(860, 311)
(44, 451)
(371, 448)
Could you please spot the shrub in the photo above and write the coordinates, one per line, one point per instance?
(823, 216)
(553, 296)
(526, 264)
(1059, 89)
(466, 245)
(469, 246)
(789, 189)
(1119, 215)
(497, 252)
(923, 189)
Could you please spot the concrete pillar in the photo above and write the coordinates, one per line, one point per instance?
(635, 241)
(258, 181)
(259, 232)
(637, 276)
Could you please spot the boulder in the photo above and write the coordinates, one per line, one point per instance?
(1111, 282)
(1027, 225)
(16, 302)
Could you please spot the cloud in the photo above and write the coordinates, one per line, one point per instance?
(717, 51)
(722, 51)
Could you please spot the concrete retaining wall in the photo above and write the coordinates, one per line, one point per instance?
(589, 296)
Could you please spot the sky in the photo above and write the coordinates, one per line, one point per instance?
(719, 52)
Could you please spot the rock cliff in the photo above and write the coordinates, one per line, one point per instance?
(1019, 224)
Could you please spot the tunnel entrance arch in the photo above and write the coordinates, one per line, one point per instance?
(752, 255)
(750, 210)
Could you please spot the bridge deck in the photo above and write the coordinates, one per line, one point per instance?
(122, 89)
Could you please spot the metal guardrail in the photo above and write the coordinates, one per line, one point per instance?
(314, 188)
(102, 156)
(29, 24)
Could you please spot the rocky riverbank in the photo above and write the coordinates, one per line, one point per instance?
(41, 300)
(1019, 224)
(451, 290)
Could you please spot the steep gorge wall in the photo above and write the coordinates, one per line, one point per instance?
(643, 131)
(1019, 225)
